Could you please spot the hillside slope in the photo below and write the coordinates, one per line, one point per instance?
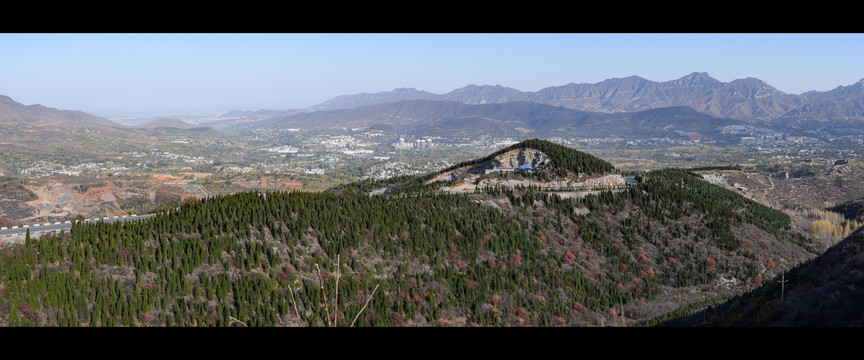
(34, 135)
(45, 116)
(825, 292)
(502, 256)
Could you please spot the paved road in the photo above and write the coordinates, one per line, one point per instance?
(65, 225)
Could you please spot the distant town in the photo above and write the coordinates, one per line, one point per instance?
(375, 154)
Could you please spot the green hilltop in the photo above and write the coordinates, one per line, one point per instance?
(563, 161)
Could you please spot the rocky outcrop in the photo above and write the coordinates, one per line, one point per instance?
(513, 160)
(509, 161)
(605, 181)
(716, 179)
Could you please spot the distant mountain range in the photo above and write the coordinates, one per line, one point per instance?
(745, 99)
(451, 118)
(15, 113)
(696, 103)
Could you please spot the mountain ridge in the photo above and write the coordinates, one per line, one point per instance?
(747, 99)
(42, 115)
(445, 117)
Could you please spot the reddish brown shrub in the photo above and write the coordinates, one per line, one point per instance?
(495, 299)
(568, 257)
(417, 299)
(578, 308)
(282, 277)
(757, 279)
(26, 308)
(491, 263)
(398, 319)
(515, 260)
(711, 262)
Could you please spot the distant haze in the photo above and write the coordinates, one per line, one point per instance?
(160, 73)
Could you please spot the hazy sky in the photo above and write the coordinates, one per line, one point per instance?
(288, 71)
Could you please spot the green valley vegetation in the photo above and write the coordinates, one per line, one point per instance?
(503, 256)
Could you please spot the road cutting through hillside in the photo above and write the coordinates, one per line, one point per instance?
(16, 233)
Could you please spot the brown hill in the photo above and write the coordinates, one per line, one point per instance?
(167, 122)
(45, 116)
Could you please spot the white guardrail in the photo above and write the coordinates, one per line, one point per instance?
(67, 222)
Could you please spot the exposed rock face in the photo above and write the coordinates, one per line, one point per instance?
(716, 179)
(382, 191)
(516, 158)
(509, 161)
(607, 180)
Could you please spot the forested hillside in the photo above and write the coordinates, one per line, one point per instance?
(823, 292)
(852, 209)
(503, 256)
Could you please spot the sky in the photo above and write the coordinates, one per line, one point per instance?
(223, 72)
